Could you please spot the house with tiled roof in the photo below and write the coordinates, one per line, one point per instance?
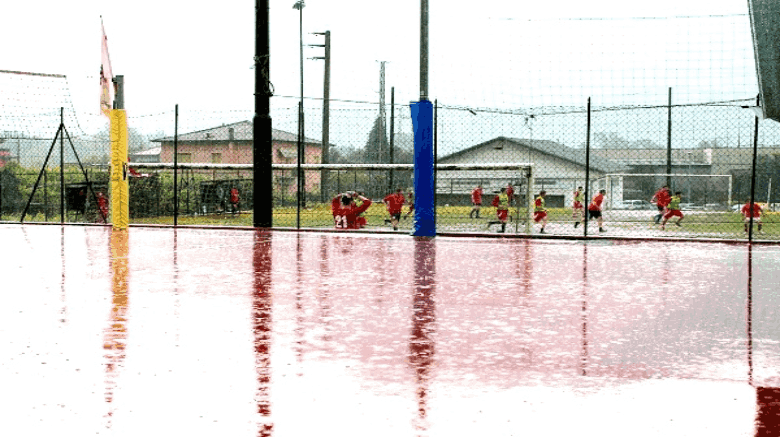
(232, 144)
(557, 169)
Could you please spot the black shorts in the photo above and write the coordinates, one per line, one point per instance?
(594, 214)
(661, 208)
(396, 216)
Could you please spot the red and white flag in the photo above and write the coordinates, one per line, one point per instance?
(106, 77)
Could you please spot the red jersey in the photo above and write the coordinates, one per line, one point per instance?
(662, 197)
(234, 195)
(345, 216)
(595, 204)
(394, 202)
(510, 191)
(755, 213)
(578, 198)
(102, 202)
(476, 196)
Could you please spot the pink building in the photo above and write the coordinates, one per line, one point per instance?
(232, 144)
(5, 156)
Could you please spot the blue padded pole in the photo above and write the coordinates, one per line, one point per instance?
(424, 214)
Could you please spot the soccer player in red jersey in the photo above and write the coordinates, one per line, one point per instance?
(345, 212)
(410, 202)
(234, 201)
(661, 198)
(510, 193)
(578, 209)
(673, 210)
(540, 212)
(754, 211)
(476, 200)
(102, 203)
(501, 202)
(594, 209)
(395, 203)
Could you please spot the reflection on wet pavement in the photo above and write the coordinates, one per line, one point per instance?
(231, 332)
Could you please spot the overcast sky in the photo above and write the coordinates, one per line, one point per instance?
(488, 54)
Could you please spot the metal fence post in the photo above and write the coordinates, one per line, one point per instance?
(669, 142)
(753, 176)
(176, 166)
(62, 168)
(587, 173)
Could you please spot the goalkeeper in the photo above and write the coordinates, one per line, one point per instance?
(346, 213)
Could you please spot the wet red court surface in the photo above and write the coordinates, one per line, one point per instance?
(162, 332)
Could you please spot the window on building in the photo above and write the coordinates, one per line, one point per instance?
(216, 158)
(184, 157)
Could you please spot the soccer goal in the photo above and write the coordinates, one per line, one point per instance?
(699, 191)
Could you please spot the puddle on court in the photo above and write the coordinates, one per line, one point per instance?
(219, 332)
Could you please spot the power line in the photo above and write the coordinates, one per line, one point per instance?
(672, 17)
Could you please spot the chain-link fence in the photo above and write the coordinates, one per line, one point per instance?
(703, 153)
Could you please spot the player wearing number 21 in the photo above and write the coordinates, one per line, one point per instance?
(346, 212)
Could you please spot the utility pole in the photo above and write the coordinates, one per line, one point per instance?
(423, 50)
(119, 94)
(299, 5)
(324, 191)
(262, 157)
(382, 116)
(392, 136)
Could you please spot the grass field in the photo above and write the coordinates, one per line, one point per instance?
(456, 219)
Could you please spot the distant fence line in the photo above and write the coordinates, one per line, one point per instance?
(704, 151)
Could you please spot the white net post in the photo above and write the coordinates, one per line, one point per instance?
(730, 191)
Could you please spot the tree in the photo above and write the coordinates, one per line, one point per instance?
(136, 141)
(377, 146)
(767, 180)
(711, 144)
(645, 144)
(611, 140)
(403, 148)
(347, 155)
(10, 195)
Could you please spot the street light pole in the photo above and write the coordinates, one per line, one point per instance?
(423, 50)
(325, 159)
(299, 5)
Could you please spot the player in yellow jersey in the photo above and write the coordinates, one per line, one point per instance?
(673, 209)
(501, 202)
